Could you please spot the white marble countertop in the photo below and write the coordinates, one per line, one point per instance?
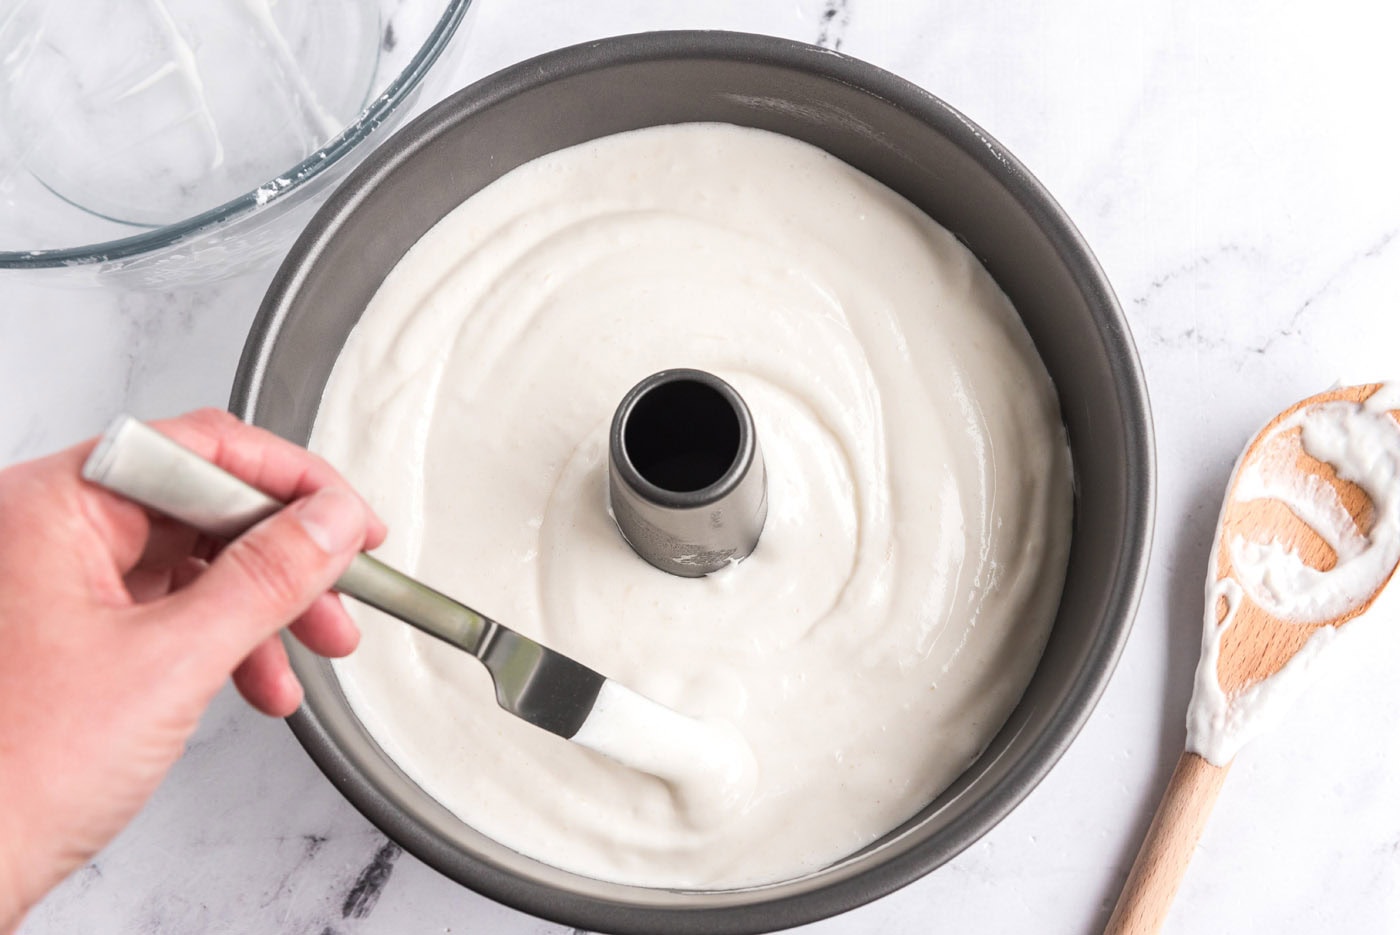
(1231, 165)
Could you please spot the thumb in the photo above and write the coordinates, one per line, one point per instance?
(270, 575)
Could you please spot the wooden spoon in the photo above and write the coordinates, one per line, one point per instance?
(1256, 645)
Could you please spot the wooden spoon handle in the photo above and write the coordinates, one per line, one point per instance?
(1167, 849)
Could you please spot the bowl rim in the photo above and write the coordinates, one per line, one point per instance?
(271, 191)
(1128, 573)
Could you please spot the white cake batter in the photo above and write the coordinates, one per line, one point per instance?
(919, 488)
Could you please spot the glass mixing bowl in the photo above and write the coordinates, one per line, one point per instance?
(183, 140)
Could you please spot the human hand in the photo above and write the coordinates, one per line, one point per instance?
(117, 628)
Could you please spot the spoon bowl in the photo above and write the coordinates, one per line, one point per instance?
(1258, 641)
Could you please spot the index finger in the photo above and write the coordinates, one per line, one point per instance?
(269, 462)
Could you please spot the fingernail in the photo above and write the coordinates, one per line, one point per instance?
(333, 518)
(291, 685)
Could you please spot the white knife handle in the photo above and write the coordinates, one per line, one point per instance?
(141, 464)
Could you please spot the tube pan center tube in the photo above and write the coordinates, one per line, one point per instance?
(686, 480)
